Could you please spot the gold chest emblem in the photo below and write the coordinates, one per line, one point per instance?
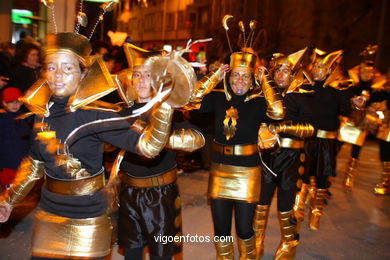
(230, 122)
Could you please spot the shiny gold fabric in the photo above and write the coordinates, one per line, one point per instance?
(234, 182)
(326, 134)
(187, 140)
(317, 207)
(67, 42)
(225, 250)
(291, 143)
(351, 134)
(383, 133)
(230, 123)
(156, 134)
(289, 241)
(160, 180)
(29, 172)
(236, 150)
(299, 204)
(247, 248)
(204, 86)
(266, 138)
(275, 108)
(60, 236)
(350, 174)
(243, 60)
(260, 220)
(75, 187)
(328, 60)
(37, 97)
(383, 187)
(299, 130)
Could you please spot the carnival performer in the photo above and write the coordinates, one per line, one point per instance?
(286, 164)
(149, 200)
(235, 175)
(366, 80)
(327, 103)
(72, 221)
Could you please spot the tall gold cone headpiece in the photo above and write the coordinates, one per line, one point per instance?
(328, 60)
(136, 56)
(292, 61)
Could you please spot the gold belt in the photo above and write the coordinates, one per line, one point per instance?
(163, 179)
(75, 187)
(241, 150)
(291, 143)
(326, 134)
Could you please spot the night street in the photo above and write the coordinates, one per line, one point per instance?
(355, 225)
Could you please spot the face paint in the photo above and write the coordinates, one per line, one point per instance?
(63, 73)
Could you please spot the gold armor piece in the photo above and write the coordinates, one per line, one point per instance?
(275, 108)
(326, 134)
(291, 143)
(155, 181)
(60, 236)
(234, 182)
(351, 134)
(29, 172)
(187, 140)
(235, 150)
(299, 130)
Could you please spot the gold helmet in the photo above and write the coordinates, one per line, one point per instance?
(292, 61)
(328, 60)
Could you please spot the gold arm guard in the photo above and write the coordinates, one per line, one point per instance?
(29, 172)
(156, 134)
(275, 108)
(204, 86)
(299, 130)
(187, 140)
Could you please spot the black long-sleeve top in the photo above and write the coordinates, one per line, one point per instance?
(250, 115)
(141, 167)
(88, 149)
(327, 104)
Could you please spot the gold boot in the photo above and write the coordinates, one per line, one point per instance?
(225, 250)
(259, 224)
(299, 205)
(383, 187)
(316, 209)
(289, 236)
(350, 174)
(247, 248)
(312, 189)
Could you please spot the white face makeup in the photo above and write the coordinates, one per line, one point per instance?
(63, 73)
(240, 80)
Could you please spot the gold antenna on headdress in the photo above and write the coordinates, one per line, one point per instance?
(242, 29)
(52, 21)
(81, 18)
(252, 25)
(224, 24)
(106, 7)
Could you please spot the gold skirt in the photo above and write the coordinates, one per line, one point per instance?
(234, 182)
(60, 236)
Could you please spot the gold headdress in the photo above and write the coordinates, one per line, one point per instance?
(292, 61)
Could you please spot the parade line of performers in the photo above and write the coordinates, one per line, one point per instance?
(277, 127)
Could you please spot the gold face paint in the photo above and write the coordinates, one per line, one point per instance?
(240, 80)
(63, 73)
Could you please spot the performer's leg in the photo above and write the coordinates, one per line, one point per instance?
(383, 187)
(133, 253)
(351, 168)
(260, 218)
(153, 257)
(245, 235)
(289, 236)
(221, 211)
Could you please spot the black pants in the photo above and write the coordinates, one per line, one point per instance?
(222, 211)
(137, 254)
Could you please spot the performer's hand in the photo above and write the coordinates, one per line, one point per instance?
(359, 101)
(223, 69)
(260, 72)
(5, 212)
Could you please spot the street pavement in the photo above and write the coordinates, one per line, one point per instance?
(355, 225)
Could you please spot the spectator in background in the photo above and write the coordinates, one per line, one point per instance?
(7, 52)
(109, 60)
(27, 66)
(14, 136)
(100, 48)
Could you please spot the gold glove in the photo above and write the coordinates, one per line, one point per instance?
(187, 140)
(156, 134)
(29, 172)
(275, 108)
(204, 86)
(299, 130)
(266, 137)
